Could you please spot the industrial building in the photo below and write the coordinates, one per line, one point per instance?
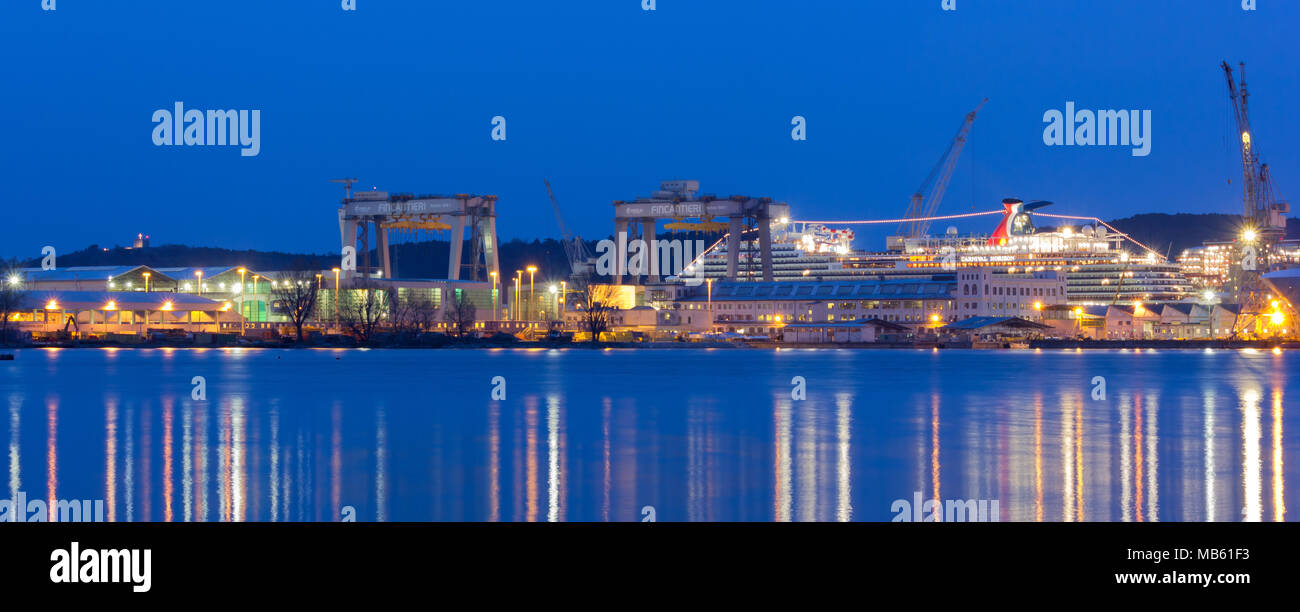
(218, 283)
(846, 332)
(120, 314)
(980, 330)
(918, 304)
(680, 205)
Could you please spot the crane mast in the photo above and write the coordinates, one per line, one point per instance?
(1264, 217)
(1254, 196)
(926, 200)
(574, 247)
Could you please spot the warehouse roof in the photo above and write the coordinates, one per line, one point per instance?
(864, 289)
(975, 323)
(122, 300)
(78, 273)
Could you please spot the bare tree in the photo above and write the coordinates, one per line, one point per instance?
(460, 313)
(410, 312)
(400, 312)
(364, 310)
(595, 304)
(294, 295)
(422, 314)
(12, 294)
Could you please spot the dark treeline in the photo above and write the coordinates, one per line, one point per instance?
(176, 255)
(428, 259)
(1171, 234)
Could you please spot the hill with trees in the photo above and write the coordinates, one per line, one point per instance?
(1165, 233)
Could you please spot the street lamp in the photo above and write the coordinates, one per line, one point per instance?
(336, 298)
(709, 283)
(519, 277)
(531, 302)
(146, 281)
(243, 316)
(555, 297)
(316, 298)
(495, 297)
(198, 273)
(255, 307)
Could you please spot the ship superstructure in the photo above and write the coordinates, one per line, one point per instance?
(1100, 264)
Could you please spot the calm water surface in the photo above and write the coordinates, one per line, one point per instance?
(583, 435)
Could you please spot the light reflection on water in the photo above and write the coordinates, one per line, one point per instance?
(699, 435)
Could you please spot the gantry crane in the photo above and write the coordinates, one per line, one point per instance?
(926, 200)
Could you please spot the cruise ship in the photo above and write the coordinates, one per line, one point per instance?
(1099, 268)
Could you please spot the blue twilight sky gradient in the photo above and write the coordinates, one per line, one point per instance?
(606, 100)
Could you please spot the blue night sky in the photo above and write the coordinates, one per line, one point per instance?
(606, 100)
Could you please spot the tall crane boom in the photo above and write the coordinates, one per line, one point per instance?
(1264, 218)
(926, 200)
(574, 247)
(1260, 207)
(559, 218)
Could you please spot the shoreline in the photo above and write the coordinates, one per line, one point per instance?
(481, 344)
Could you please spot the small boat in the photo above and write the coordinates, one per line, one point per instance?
(6, 357)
